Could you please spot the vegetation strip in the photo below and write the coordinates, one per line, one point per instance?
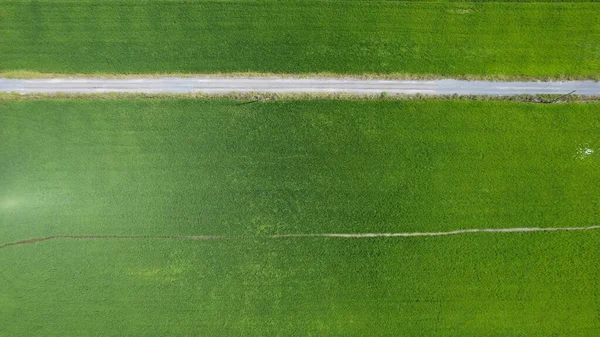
(321, 235)
(32, 75)
(255, 97)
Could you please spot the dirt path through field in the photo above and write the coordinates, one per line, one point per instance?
(456, 232)
(291, 236)
(92, 237)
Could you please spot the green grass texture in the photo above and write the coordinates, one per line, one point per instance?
(227, 167)
(248, 170)
(517, 284)
(412, 38)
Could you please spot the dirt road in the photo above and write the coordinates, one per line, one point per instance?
(222, 85)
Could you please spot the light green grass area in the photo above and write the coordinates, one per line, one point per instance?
(226, 167)
(247, 170)
(397, 38)
(536, 284)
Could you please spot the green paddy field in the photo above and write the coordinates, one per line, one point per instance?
(485, 39)
(246, 171)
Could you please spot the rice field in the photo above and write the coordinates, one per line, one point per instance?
(227, 167)
(482, 285)
(484, 39)
(247, 171)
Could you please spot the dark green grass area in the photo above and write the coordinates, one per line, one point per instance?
(536, 284)
(225, 167)
(452, 39)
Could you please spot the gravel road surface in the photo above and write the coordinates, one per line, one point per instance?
(221, 85)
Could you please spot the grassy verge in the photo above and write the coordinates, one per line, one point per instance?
(254, 97)
(23, 74)
(497, 40)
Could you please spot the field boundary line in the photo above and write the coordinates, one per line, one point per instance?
(455, 232)
(93, 237)
(292, 236)
(254, 97)
(27, 75)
